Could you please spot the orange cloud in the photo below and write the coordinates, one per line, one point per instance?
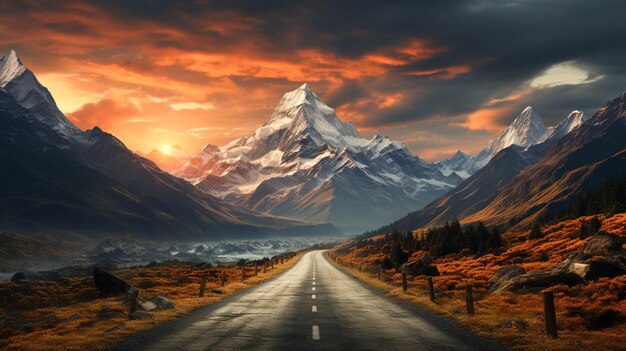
(489, 119)
(104, 113)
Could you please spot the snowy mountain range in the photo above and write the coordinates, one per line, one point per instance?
(304, 162)
(526, 130)
(62, 179)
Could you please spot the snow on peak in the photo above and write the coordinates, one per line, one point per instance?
(303, 113)
(10, 67)
(210, 149)
(570, 123)
(527, 129)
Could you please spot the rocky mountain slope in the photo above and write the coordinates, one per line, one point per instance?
(518, 184)
(304, 162)
(62, 179)
(526, 130)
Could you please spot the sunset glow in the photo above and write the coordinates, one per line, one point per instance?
(213, 76)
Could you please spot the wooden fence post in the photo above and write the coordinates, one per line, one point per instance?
(132, 305)
(469, 299)
(265, 267)
(243, 273)
(431, 289)
(223, 279)
(404, 286)
(380, 271)
(202, 286)
(256, 269)
(550, 314)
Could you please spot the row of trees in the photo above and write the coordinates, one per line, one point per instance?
(449, 238)
(609, 199)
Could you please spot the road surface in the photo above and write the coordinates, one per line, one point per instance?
(312, 306)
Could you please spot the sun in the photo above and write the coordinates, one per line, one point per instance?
(166, 149)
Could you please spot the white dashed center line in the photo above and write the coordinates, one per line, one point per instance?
(313, 296)
(313, 288)
(314, 309)
(313, 283)
(316, 332)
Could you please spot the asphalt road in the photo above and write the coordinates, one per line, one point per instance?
(312, 306)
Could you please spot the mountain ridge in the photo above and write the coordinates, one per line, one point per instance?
(194, 213)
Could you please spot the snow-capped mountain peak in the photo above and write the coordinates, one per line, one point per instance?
(571, 122)
(21, 84)
(526, 130)
(304, 162)
(10, 67)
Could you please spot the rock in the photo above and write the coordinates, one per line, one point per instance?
(514, 279)
(108, 284)
(27, 328)
(18, 277)
(602, 256)
(162, 303)
(603, 245)
(420, 266)
(152, 264)
(217, 291)
(504, 275)
(592, 267)
(140, 315)
(147, 305)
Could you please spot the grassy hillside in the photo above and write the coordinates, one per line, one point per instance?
(591, 315)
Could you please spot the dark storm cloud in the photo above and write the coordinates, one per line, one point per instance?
(423, 65)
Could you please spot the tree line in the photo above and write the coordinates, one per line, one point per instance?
(448, 238)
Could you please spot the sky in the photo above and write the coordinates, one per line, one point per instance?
(436, 75)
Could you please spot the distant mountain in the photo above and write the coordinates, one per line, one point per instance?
(521, 183)
(579, 162)
(168, 160)
(304, 162)
(526, 130)
(59, 178)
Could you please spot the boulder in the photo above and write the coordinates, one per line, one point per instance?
(503, 275)
(19, 277)
(537, 281)
(604, 245)
(602, 256)
(147, 305)
(108, 284)
(420, 266)
(162, 303)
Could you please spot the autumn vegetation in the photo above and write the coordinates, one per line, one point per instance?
(590, 316)
(70, 314)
